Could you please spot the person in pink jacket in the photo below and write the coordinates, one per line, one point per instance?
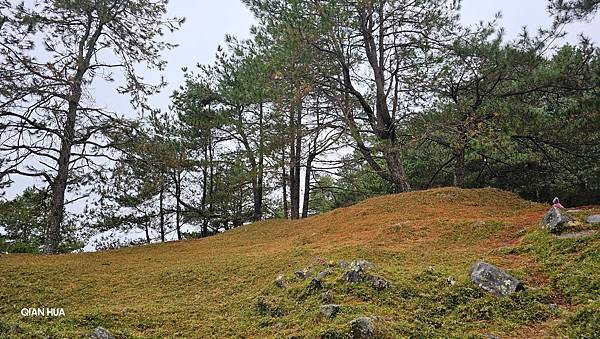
(556, 203)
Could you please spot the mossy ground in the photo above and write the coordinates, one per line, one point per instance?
(210, 287)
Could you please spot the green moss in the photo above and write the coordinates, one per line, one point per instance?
(573, 264)
(585, 323)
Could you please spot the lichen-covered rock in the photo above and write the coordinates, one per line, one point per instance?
(494, 280)
(303, 274)
(330, 310)
(593, 219)
(323, 274)
(362, 264)
(378, 283)
(357, 274)
(101, 333)
(362, 328)
(555, 220)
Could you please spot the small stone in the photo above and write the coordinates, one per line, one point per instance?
(378, 283)
(353, 276)
(125, 311)
(315, 284)
(555, 220)
(451, 281)
(101, 333)
(362, 328)
(330, 310)
(593, 219)
(362, 264)
(302, 274)
(280, 281)
(491, 336)
(494, 280)
(327, 297)
(323, 274)
(344, 264)
(278, 326)
(553, 307)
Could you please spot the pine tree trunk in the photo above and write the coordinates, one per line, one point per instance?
(178, 205)
(161, 211)
(147, 230)
(59, 186)
(284, 183)
(306, 200)
(459, 167)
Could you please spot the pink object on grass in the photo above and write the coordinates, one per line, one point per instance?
(556, 203)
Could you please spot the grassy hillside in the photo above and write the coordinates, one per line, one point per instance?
(224, 286)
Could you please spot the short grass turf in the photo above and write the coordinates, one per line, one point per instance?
(224, 286)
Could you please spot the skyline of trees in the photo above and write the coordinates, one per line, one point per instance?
(328, 103)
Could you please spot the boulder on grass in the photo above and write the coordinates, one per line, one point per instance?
(101, 333)
(494, 280)
(362, 328)
(330, 310)
(555, 220)
(302, 274)
(593, 219)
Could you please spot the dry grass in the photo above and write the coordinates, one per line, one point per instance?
(207, 287)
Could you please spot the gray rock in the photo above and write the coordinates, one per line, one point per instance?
(553, 307)
(327, 297)
(555, 220)
(378, 283)
(576, 235)
(344, 264)
(494, 280)
(101, 333)
(330, 310)
(354, 276)
(302, 274)
(362, 265)
(451, 281)
(362, 328)
(593, 219)
(280, 281)
(491, 336)
(323, 274)
(357, 273)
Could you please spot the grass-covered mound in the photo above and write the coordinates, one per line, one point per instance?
(225, 285)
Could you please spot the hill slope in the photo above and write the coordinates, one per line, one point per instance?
(225, 285)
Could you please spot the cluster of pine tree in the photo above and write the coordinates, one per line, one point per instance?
(330, 102)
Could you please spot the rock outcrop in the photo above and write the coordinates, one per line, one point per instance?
(330, 310)
(494, 280)
(362, 328)
(555, 220)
